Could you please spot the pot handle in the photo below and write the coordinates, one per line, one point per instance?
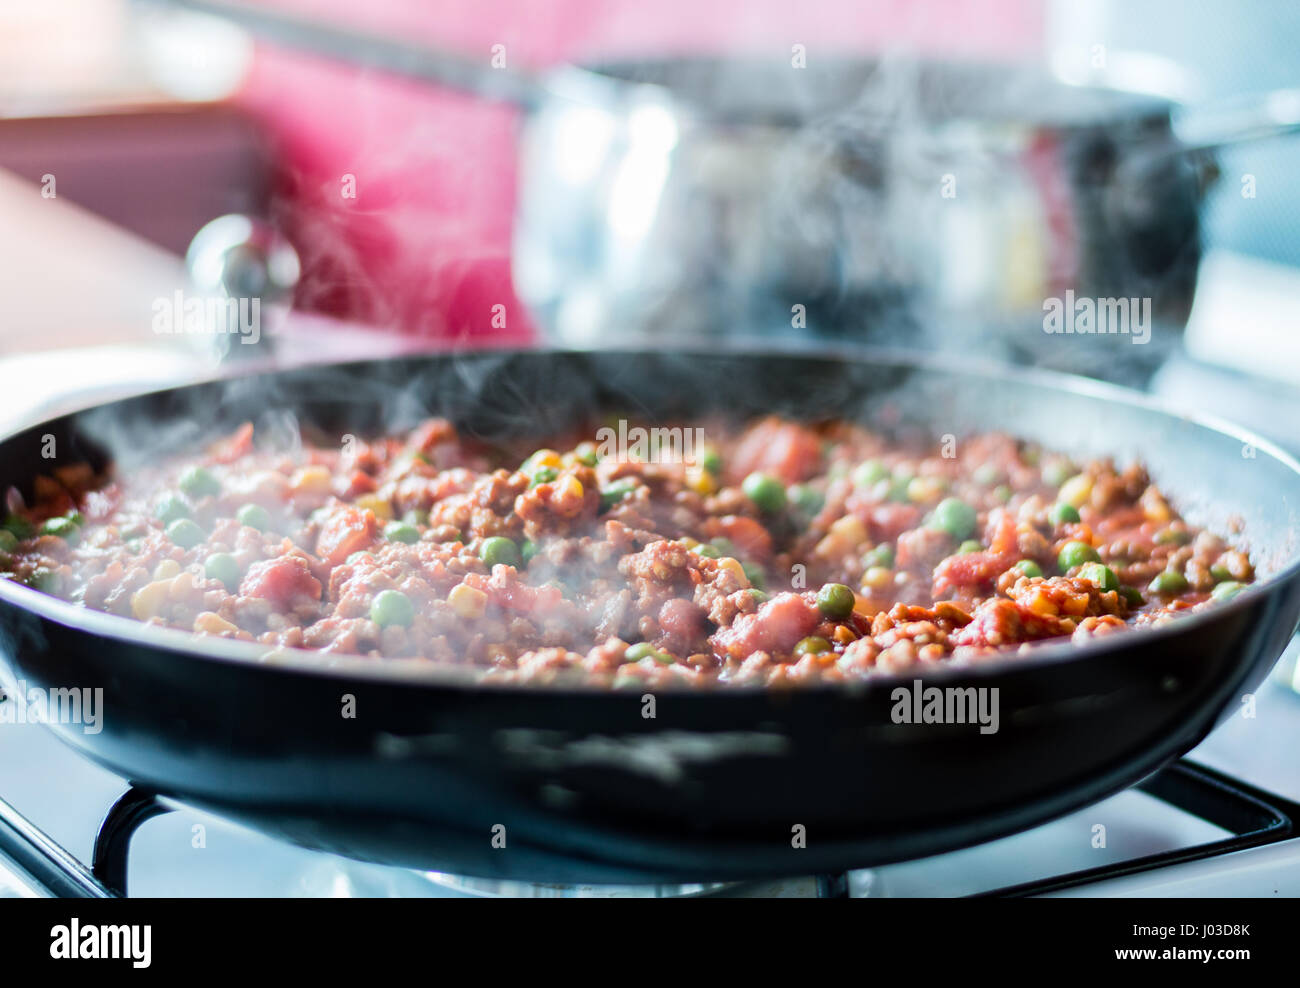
(1238, 120)
(453, 69)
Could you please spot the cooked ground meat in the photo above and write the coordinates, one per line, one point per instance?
(777, 553)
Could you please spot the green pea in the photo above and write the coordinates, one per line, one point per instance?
(19, 527)
(836, 601)
(1061, 513)
(1103, 576)
(170, 507)
(221, 566)
(970, 545)
(46, 580)
(1227, 590)
(544, 475)
(1168, 582)
(1173, 536)
(416, 516)
(765, 491)
(499, 549)
(615, 492)
(185, 533)
(400, 531)
(77, 518)
(882, 555)
(587, 455)
(759, 596)
(986, 474)
(392, 607)
(198, 482)
(805, 498)
(754, 572)
(896, 489)
(8, 540)
(528, 550)
(1075, 553)
(1029, 567)
(868, 473)
(64, 528)
(712, 462)
(254, 516)
(724, 545)
(707, 551)
(644, 650)
(812, 645)
(1220, 572)
(955, 517)
(1002, 493)
(1133, 595)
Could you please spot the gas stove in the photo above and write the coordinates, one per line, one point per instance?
(1223, 822)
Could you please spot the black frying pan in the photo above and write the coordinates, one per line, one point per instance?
(714, 786)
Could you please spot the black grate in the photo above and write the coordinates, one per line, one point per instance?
(1251, 816)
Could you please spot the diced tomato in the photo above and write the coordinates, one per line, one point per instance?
(681, 617)
(348, 530)
(359, 483)
(1000, 532)
(999, 621)
(886, 522)
(970, 572)
(750, 538)
(284, 581)
(776, 627)
(514, 595)
(240, 443)
(784, 449)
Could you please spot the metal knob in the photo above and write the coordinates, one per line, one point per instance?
(250, 269)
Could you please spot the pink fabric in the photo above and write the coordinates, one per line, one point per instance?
(425, 246)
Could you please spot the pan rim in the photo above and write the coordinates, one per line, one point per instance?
(421, 673)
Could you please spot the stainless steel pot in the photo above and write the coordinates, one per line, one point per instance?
(926, 202)
(917, 201)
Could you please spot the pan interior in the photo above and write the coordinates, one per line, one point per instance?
(1216, 479)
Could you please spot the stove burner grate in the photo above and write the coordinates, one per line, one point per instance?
(1251, 816)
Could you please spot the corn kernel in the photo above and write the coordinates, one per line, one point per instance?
(1075, 606)
(733, 567)
(311, 480)
(1154, 506)
(849, 529)
(468, 602)
(1042, 605)
(376, 504)
(167, 570)
(701, 481)
(148, 601)
(1076, 491)
(925, 490)
(843, 635)
(877, 578)
(213, 624)
(545, 458)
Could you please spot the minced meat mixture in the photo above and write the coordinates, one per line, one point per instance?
(778, 552)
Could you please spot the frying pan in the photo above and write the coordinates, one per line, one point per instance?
(436, 771)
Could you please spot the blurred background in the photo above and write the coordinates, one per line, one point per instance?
(601, 172)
